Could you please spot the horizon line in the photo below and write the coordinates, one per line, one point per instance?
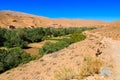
(72, 18)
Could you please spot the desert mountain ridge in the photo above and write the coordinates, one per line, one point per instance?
(21, 20)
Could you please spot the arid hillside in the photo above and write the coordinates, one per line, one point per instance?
(105, 39)
(115, 23)
(21, 20)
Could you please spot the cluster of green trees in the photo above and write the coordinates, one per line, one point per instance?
(50, 47)
(17, 39)
(10, 58)
(21, 37)
(10, 38)
(2, 35)
(77, 36)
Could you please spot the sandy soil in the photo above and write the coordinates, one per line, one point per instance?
(114, 52)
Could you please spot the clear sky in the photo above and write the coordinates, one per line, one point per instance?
(106, 10)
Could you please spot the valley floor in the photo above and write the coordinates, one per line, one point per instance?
(71, 57)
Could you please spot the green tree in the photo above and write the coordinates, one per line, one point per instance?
(3, 54)
(2, 38)
(32, 35)
(13, 40)
(10, 58)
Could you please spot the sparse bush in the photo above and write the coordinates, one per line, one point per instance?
(65, 74)
(90, 67)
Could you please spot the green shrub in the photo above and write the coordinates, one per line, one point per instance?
(2, 34)
(1, 67)
(50, 47)
(13, 57)
(32, 35)
(77, 36)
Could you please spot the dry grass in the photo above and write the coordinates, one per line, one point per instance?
(65, 74)
(90, 67)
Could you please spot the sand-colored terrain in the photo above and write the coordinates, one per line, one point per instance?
(21, 20)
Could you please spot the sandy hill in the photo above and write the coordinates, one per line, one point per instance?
(116, 23)
(20, 19)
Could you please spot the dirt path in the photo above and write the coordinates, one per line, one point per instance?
(114, 51)
(115, 47)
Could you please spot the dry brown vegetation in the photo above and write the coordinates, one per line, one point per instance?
(89, 67)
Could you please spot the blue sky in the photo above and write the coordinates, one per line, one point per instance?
(106, 10)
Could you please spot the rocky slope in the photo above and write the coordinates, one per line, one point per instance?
(20, 19)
